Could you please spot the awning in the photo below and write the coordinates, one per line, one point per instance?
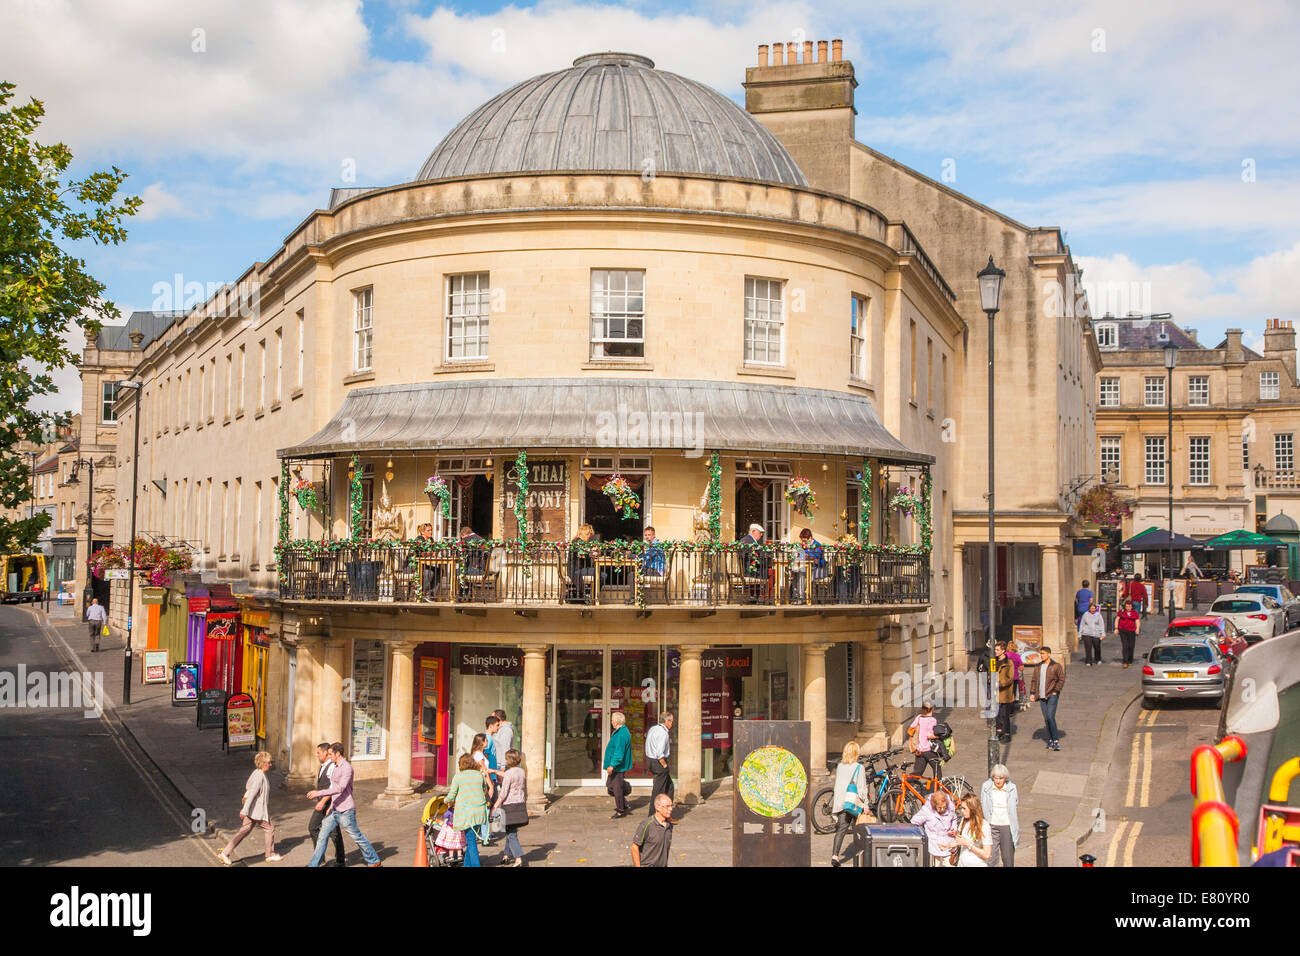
(1157, 539)
(622, 414)
(1243, 541)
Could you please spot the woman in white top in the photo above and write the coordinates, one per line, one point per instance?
(973, 834)
(1000, 802)
(1092, 628)
(255, 811)
(848, 771)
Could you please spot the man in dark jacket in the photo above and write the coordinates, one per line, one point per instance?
(1006, 684)
(323, 779)
(1047, 691)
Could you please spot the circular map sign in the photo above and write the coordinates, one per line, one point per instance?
(772, 781)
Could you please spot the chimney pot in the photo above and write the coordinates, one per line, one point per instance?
(778, 54)
(807, 51)
(837, 51)
(762, 54)
(821, 51)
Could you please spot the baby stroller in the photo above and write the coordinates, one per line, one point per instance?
(446, 847)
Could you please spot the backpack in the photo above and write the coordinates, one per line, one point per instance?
(945, 745)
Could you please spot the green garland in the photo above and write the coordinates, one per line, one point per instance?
(354, 496)
(284, 509)
(715, 498)
(521, 504)
(864, 502)
(924, 519)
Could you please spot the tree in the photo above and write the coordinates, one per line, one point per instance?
(43, 288)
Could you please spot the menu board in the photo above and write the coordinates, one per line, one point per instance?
(241, 722)
(547, 504)
(367, 700)
(1108, 594)
(155, 667)
(716, 707)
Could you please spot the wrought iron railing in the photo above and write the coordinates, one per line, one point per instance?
(670, 574)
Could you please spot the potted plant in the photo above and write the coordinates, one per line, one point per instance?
(622, 496)
(800, 495)
(305, 492)
(905, 501)
(435, 486)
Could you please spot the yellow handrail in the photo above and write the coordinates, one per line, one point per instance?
(1277, 832)
(1214, 824)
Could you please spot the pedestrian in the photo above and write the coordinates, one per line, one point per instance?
(920, 741)
(618, 761)
(318, 814)
(478, 753)
(1017, 673)
(974, 839)
(1092, 629)
(848, 773)
(1051, 681)
(1127, 628)
(1082, 598)
(490, 752)
(255, 810)
(505, 736)
(96, 618)
(938, 819)
(343, 811)
(467, 796)
(1137, 593)
(657, 748)
(1006, 685)
(999, 802)
(512, 801)
(654, 836)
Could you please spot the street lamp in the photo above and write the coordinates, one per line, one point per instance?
(90, 520)
(1171, 359)
(990, 283)
(130, 574)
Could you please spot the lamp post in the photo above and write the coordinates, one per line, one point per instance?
(990, 283)
(130, 574)
(1171, 359)
(90, 520)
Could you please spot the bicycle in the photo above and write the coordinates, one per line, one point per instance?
(901, 800)
(823, 808)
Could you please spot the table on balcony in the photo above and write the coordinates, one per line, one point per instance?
(442, 569)
(610, 563)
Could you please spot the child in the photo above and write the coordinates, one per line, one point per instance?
(921, 741)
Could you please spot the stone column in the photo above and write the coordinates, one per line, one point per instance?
(401, 683)
(690, 727)
(814, 704)
(533, 732)
(958, 613)
(305, 673)
(334, 665)
(871, 727)
(1051, 558)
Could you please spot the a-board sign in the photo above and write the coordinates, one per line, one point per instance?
(241, 722)
(155, 667)
(185, 684)
(212, 708)
(1108, 594)
(770, 825)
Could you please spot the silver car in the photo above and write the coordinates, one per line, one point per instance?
(1185, 668)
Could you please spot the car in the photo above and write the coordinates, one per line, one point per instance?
(1185, 669)
(1222, 631)
(1279, 593)
(1253, 614)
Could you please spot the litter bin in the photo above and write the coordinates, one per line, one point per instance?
(895, 845)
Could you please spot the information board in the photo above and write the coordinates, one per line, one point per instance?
(212, 708)
(770, 798)
(155, 667)
(241, 722)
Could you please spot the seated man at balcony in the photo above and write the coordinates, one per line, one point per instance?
(655, 561)
(812, 558)
(754, 564)
(473, 557)
(582, 571)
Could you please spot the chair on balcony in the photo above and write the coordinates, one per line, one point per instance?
(482, 585)
(743, 583)
(654, 586)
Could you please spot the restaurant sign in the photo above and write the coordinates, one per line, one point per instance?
(547, 504)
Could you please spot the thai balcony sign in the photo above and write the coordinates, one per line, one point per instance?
(545, 503)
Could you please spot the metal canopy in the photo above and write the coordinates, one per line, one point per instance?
(614, 414)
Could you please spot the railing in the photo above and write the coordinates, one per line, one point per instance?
(670, 574)
(1214, 823)
(1277, 480)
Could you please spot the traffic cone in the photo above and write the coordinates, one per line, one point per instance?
(421, 850)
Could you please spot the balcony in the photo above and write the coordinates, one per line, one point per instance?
(520, 576)
(1277, 480)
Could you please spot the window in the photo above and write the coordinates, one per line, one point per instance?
(858, 338)
(189, 396)
(617, 313)
(1108, 336)
(468, 300)
(1283, 452)
(279, 365)
(203, 393)
(1198, 390)
(1268, 385)
(239, 514)
(944, 364)
(1198, 461)
(1155, 460)
(929, 374)
(239, 394)
(764, 320)
(911, 361)
(302, 332)
(230, 362)
(1155, 391)
(362, 329)
(1108, 392)
(256, 547)
(108, 395)
(1110, 459)
(261, 381)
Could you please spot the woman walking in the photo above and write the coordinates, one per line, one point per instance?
(1127, 625)
(1092, 628)
(1000, 805)
(512, 801)
(255, 810)
(848, 773)
(467, 795)
(939, 821)
(478, 751)
(974, 841)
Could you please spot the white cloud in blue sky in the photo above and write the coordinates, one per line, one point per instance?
(1127, 124)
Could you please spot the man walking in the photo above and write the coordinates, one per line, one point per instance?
(323, 778)
(656, 752)
(1137, 593)
(618, 761)
(343, 811)
(505, 735)
(1051, 681)
(654, 837)
(1006, 684)
(95, 617)
(1082, 598)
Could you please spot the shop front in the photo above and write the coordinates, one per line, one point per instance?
(213, 639)
(255, 653)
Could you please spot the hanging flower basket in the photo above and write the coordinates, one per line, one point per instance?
(800, 495)
(1102, 507)
(153, 561)
(622, 496)
(435, 486)
(905, 500)
(305, 492)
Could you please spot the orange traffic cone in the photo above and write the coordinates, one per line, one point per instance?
(421, 850)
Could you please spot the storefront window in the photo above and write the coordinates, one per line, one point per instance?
(368, 700)
(579, 714)
(487, 678)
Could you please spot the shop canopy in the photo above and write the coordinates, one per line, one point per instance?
(618, 414)
(1157, 539)
(1243, 541)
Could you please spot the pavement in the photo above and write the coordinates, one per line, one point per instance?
(1062, 788)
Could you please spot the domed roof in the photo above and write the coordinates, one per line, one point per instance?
(1281, 524)
(616, 112)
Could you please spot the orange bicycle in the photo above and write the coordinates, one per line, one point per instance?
(903, 798)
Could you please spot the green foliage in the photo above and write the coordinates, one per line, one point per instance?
(354, 498)
(42, 287)
(715, 498)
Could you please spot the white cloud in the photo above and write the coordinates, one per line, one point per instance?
(160, 204)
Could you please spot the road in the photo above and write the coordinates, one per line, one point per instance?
(77, 790)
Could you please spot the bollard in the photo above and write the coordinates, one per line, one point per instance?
(1040, 841)
(1087, 860)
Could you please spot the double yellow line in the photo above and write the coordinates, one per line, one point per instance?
(1126, 835)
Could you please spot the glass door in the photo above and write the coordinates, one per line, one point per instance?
(589, 685)
(634, 688)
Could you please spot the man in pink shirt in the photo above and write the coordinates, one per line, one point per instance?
(343, 811)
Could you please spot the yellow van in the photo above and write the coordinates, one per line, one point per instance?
(23, 577)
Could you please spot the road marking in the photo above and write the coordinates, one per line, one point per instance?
(1147, 760)
(1133, 771)
(1132, 843)
(1112, 852)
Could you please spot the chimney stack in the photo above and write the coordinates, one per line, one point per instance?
(762, 54)
(837, 51)
(778, 54)
(821, 51)
(1279, 343)
(807, 51)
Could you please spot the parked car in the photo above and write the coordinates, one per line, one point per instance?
(1290, 603)
(1185, 668)
(1220, 630)
(1253, 614)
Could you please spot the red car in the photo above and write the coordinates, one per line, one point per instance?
(1222, 632)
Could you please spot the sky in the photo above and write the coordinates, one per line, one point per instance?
(1160, 135)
